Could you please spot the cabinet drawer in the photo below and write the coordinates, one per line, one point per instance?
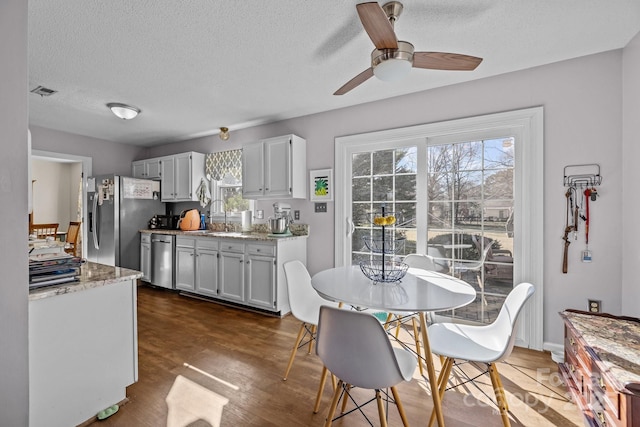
(208, 243)
(187, 242)
(231, 246)
(266, 250)
(145, 238)
(605, 393)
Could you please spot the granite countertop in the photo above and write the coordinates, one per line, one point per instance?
(92, 275)
(259, 233)
(616, 342)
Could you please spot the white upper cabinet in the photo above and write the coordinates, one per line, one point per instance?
(146, 169)
(275, 168)
(181, 175)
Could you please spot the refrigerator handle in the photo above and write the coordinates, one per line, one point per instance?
(94, 226)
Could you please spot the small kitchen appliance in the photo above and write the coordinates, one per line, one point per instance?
(189, 220)
(279, 223)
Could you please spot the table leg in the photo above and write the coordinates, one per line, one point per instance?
(431, 371)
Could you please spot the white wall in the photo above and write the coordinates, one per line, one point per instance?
(55, 191)
(630, 178)
(582, 100)
(108, 157)
(14, 359)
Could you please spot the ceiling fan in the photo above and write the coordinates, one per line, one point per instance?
(392, 59)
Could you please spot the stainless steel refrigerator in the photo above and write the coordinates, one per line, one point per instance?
(118, 207)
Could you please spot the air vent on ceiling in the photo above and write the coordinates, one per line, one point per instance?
(43, 91)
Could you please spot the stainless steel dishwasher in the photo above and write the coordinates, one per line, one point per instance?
(162, 250)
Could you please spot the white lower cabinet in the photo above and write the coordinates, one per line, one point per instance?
(197, 265)
(245, 272)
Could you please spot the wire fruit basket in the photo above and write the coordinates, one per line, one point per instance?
(386, 243)
(384, 271)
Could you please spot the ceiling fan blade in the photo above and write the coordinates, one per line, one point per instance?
(377, 25)
(445, 61)
(355, 82)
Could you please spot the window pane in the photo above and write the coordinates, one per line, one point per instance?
(439, 186)
(383, 188)
(407, 160)
(467, 156)
(439, 158)
(499, 184)
(361, 164)
(405, 187)
(467, 185)
(439, 216)
(233, 201)
(383, 162)
(498, 153)
(361, 189)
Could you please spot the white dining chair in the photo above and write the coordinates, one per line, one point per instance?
(486, 344)
(305, 306)
(355, 347)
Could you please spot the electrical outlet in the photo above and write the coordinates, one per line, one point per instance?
(321, 207)
(259, 214)
(296, 215)
(595, 305)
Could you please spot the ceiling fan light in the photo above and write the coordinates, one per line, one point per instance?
(123, 111)
(392, 69)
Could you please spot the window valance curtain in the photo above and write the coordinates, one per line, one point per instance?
(224, 166)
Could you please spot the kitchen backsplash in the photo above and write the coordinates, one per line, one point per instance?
(296, 229)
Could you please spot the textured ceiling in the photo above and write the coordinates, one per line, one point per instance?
(194, 66)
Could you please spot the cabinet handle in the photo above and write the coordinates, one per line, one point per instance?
(601, 383)
(248, 261)
(266, 189)
(600, 416)
(241, 261)
(572, 341)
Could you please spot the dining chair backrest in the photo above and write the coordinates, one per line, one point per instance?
(422, 261)
(502, 332)
(73, 232)
(303, 299)
(43, 231)
(355, 348)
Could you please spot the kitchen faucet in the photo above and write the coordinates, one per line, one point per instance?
(223, 207)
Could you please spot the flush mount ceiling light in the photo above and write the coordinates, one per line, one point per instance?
(224, 133)
(123, 111)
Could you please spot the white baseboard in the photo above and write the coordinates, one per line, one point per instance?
(557, 351)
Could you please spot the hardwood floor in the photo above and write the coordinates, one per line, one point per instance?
(249, 352)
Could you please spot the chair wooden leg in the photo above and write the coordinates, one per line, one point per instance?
(398, 324)
(443, 378)
(294, 350)
(313, 334)
(506, 404)
(403, 415)
(334, 404)
(417, 338)
(383, 418)
(323, 380)
(345, 399)
(500, 396)
(388, 321)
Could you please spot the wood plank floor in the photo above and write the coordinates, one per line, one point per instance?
(249, 351)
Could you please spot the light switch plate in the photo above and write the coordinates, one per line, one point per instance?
(296, 215)
(321, 207)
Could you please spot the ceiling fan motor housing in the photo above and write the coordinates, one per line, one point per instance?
(392, 64)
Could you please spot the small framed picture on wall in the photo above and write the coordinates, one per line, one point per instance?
(321, 182)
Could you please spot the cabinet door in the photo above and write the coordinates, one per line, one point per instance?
(277, 173)
(153, 169)
(139, 169)
(231, 283)
(185, 268)
(207, 272)
(252, 171)
(261, 275)
(167, 186)
(182, 176)
(145, 261)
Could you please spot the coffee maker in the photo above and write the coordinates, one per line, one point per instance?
(279, 223)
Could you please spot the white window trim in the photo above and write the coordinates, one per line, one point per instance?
(527, 126)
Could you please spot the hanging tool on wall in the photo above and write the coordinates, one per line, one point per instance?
(570, 225)
(590, 194)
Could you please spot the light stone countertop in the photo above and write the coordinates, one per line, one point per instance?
(92, 275)
(226, 234)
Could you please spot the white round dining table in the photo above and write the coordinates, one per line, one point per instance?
(419, 291)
